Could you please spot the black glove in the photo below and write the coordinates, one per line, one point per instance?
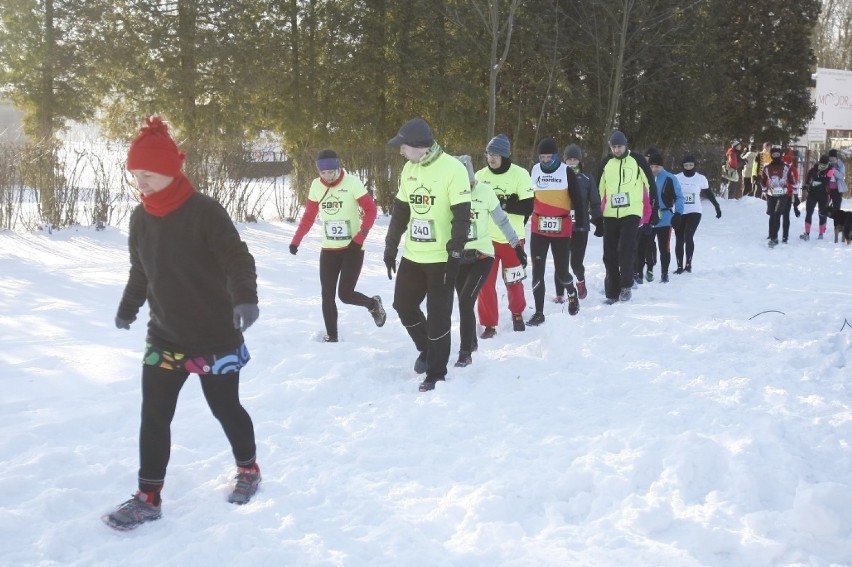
(390, 261)
(123, 323)
(599, 229)
(245, 314)
(510, 200)
(452, 271)
(522, 256)
(354, 246)
(718, 213)
(676, 218)
(293, 249)
(646, 229)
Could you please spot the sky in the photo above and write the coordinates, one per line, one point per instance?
(706, 422)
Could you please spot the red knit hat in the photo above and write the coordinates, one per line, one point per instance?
(153, 149)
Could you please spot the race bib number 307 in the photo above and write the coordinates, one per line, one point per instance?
(422, 230)
(550, 224)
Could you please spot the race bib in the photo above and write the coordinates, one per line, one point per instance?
(422, 230)
(689, 199)
(514, 275)
(337, 230)
(777, 191)
(572, 216)
(550, 224)
(471, 232)
(619, 200)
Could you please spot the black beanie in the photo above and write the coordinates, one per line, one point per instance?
(548, 146)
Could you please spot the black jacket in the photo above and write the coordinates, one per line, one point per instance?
(192, 268)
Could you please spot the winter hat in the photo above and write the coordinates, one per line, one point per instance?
(572, 151)
(327, 160)
(153, 149)
(688, 158)
(832, 153)
(823, 159)
(468, 163)
(415, 133)
(499, 145)
(548, 146)
(654, 157)
(775, 149)
(735, 143)
(618, 139)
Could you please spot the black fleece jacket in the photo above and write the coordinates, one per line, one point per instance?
(192, 268)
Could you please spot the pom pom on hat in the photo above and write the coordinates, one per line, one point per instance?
(499, 145)
(153, 149)
(548, 146)
(573, 151)
(618, 139)
(327, 160)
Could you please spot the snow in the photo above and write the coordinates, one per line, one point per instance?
(706, 422)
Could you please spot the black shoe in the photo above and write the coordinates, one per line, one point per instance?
(664, 278)
(464, 359)
(518, 323)
(420, 365)
(773, 242)
(637, 279)
(688, 267)
(536, 320)
(625, 294)
(611, 300)
(679, 270)
(488, 333)
(784, 240)
(378, 312)
(573, 304)
(649, 275)
(428, 384)
(329, 339)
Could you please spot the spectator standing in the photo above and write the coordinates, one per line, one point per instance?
(749, 157)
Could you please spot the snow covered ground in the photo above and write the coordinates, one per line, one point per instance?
(706, 422)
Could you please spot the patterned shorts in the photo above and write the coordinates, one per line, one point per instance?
(223, 363)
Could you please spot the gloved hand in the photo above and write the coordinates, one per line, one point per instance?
(293, 249)
(676, 218)
(796, 203)
(522, 256)
(390, 261)
(718, 213)
(354, 246)
(599, 229)
(123, 323)
(452, 271)
(646, 229)
(510, 200)
(245, 314)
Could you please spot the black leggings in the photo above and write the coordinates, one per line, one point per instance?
(579, 242)
(468, 283)
(816, 197)
(160, 389)
(539, 246)
(339, 272)
(664, 239)
(430, 332)
(685, 233)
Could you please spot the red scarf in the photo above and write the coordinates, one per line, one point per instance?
(164, 202)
